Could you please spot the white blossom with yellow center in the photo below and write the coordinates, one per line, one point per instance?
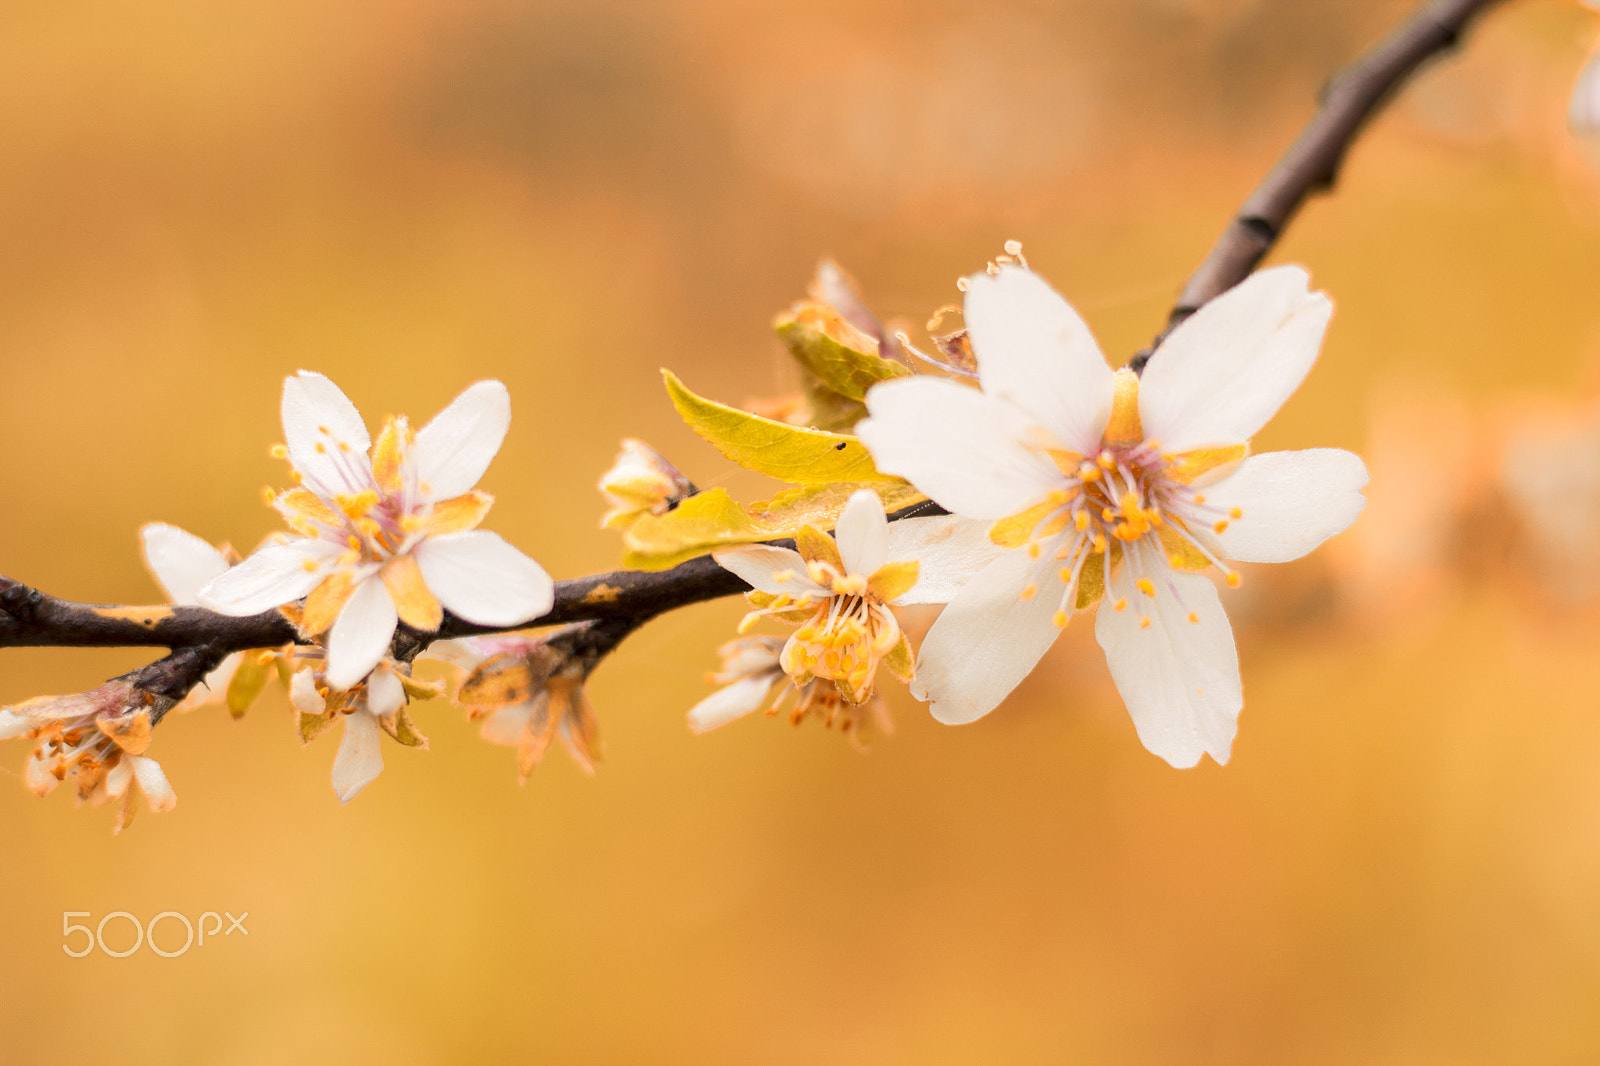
(1109, 485)
(388, 537)
(840, 591)
(1583, 113)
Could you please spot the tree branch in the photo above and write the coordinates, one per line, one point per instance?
(1312, 163)
(602, 609)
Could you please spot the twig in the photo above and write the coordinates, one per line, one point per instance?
(612, 605)
(1312, 163)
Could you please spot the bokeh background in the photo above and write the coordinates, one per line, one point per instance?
(1401, 863)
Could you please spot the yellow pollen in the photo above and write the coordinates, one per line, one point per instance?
(1087, 471)
(1233, 579)
(1194, 618)
(1144, 586)
(1081, 521)
(1100, 543)
(1221, 527)
(1108, 514)
(1029, 591)
(1144, 622)
(1066, 575)
(1060, 619)
(279, 451)
(1199, 499)
(322, 449)
(783, 575)
(1121, 604)
(1236, 514)
(310, 566)
(1033, 550)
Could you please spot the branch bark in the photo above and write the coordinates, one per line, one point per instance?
(614, 604)
(1312, 162)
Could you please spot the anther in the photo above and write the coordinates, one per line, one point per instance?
(1060, 619)
(1029, 591)
(1144, 586)
(1144, 621)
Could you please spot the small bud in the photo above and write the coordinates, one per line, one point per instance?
(640, 482)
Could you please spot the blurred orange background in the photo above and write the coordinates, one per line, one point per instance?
(1401, 863)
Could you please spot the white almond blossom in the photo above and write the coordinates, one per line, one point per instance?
(841, 588)
(528, 691)
(375, 706)
(1111, 485)
(182, 565)
(752, 667)
(98, 739)
(388, 537)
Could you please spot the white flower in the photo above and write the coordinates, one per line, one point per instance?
(98, 739)
(1109, 484)
(752, 666)
(841, 589)
(374, 706)
(182, 565)
(386, 538)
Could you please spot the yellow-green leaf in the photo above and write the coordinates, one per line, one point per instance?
(791, 453)
(313, 726)
(841, 356)
(819, 505)
(400, 726)
(248, 680)
(700, 524)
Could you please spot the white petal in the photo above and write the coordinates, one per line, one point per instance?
(758, 565)
(13, 725)
(385, 693)
(327, 440)
(950, 551)
(730, 702)
(118, 778)
(1225, 371)
(304, 695)
(509, 723)
(863, 533)
(181, 562)
(153, 783)
(956, 445)
(1583, 114)
(361, 634)
(453, 450)
(360, 758)
(275, 575)
(1034, 351)
(1179, 679)
(987, 640)
(1289, 502)
(480, 578)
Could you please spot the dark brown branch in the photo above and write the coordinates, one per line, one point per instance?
(1312, 163)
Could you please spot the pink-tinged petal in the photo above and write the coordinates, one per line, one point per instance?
(275, 575)
(950, 551)
(360, 758)
(779, 571)
(453, 450)
(1035, 352)
(1583, 113)
(480, 578)
(181, 562)
(987, 640)
(385, 693)
(1179, 678)
(509, 724)
(304, 695)
(327, 439)
(1226, 370)
(153, 783)
(959, 446)
(360, 637)
(1287, 502)
(863, 533)
(730, 702)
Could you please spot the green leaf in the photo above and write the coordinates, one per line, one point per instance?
(842, 357)
(702, 523)
(819, 505)
(790, 453)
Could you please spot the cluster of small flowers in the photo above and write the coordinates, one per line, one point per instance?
(1065, 484)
